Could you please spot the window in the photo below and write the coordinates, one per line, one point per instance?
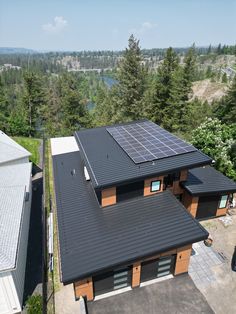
(155, 186)
(170, 178)
(223, 201)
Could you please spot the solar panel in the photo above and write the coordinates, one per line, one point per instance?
(145, 141)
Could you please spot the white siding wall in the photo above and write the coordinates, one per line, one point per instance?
(19, 273)
(16, 162)
(9, 302)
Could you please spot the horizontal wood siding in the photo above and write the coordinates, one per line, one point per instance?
(183, 175)
(191, 203)
(182, 259)
(136, 274)
(109, 196)
(84, 288)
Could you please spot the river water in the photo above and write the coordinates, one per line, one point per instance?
(109, 81)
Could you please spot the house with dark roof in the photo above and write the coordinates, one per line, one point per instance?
(128, 199)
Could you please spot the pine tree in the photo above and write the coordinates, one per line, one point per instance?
(225, 109)
(158, 102)
(33, 99)
(74, 109)
(209, 51)
(3, 107)
(131, 86)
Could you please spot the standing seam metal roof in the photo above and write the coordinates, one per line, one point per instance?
(207, 180)
(10, 150)
(108, 164)
(15, 181)
(93, 239)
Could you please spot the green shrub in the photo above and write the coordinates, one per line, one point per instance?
(34, 304)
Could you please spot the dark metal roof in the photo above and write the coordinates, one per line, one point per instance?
(207, 180)
(108, 164)
(93, 239)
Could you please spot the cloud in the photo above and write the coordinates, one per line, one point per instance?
(59, 23)
(144, 27)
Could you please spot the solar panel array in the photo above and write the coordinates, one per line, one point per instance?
(145, 141)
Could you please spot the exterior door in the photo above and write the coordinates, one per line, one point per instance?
(207, 207)
(157, 268)
(111, 281)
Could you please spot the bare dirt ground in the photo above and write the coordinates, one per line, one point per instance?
(207, 90)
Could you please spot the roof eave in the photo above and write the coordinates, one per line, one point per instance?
(219, 192)
(67, 281)
(154, 174)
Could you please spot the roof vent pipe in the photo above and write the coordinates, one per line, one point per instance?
(86, 174)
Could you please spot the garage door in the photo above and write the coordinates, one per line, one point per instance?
(157, 268)
(111, 281)
(207, 207)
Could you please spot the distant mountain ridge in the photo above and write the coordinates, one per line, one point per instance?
(12, 50)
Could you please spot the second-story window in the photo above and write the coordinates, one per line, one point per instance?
(155, 186)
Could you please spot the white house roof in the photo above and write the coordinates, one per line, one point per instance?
(10, 150)
(63, 145)
(15, 180)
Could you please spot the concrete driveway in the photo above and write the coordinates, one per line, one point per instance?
(176, 295)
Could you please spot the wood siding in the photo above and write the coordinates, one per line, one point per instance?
(183, 175)
(109, 196)
(191, 203)
(182, 259)
(136, 274)
(221, 211)
(84, 288)
(147, 186)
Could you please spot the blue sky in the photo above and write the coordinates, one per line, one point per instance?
(102, 24)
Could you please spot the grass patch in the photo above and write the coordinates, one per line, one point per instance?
(32, 145)
(50, 193)
(209, 224)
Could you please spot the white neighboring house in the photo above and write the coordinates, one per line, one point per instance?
(15, 205)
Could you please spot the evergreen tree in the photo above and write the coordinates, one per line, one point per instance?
(131, 86)
(158, 98)
(209, 51)
(3, 107)
(51, 111)
(74, 109)
(225, 109)
(33, 99)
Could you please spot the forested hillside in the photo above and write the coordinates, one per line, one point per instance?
(54, 94)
